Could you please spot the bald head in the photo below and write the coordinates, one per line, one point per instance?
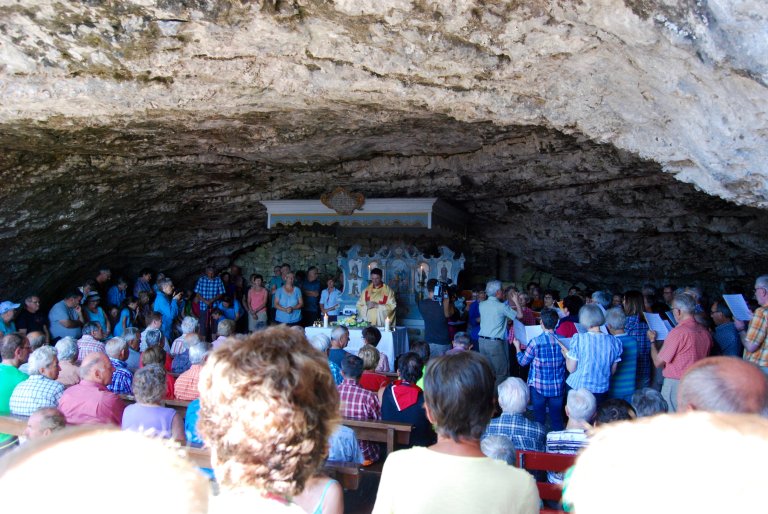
(44, 422)
(96, 367)
(724, 384)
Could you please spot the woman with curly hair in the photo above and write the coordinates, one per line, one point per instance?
(268, 404)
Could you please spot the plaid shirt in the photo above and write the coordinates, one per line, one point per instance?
(209, 289)
(357, 403)
(35, 393)
(526, 434)
(638, 329)
(121, 378)
(757, 334)
(186, 385)
(547, 372)
(87, 344)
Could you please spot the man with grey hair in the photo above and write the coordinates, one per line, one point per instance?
(322, 343)
(69, 371)
(168, 305)
(580, 408)
(339, 341)
(500, 448)
(524, 433)
(43, 422)
(623, 380)
(186, 385)
(724, 384)
(687, 343)
(493, 328)
(36, 340)
(132, 336)
(41, 389)
(225, 330)
(90, 342)
(117, 351)
(602, 299)
(755, 339)
(90, 402)
(648, 402)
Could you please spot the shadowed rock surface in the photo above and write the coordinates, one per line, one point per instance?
(602, 141)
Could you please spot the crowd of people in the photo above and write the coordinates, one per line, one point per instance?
(267, 401)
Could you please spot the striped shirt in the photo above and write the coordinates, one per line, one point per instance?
(547, 372)
(186, 384)
(757, 334)
(35, 393)
(568, 442)
(595, 353)
(638, 329)
(623, 381)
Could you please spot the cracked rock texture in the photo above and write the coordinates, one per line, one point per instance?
(604, 141)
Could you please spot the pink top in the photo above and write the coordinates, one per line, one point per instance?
(687, 343)
(90, 403)
(257, 300)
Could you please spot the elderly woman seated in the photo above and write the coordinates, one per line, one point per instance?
(225, 330)
(182, 344)
(459, 402)
(371, 380)
(592, 357)
(268, 404)
(403, 401)
(148, 415)
(66, 350)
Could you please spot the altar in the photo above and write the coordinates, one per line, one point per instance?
(392, 344)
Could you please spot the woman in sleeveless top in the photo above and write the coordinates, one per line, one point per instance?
(148, 415)
(321, 495)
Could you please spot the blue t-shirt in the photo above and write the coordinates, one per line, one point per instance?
(311, 303)
(288, 300)
(125, 314)
(98, 317)
(330, 299)
(60, 311)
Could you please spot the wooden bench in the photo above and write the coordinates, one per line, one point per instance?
(13, 425)
(179, 405)
(541, 461)
(347, 473)
(389, 432)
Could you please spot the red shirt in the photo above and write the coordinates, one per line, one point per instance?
(687, 343)
(372, 381)
(90, 403)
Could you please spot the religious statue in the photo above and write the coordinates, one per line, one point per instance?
(377, 302)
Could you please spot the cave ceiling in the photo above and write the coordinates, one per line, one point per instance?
(606, 142)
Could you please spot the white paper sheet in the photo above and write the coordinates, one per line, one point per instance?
(656, 324)
(738, 306)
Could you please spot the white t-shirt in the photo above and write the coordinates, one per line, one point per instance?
(422, 481)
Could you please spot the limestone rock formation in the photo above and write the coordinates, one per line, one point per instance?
(602, 140)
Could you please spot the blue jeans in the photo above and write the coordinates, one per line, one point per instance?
(540, 404)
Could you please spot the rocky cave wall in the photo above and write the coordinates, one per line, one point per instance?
(608, 142)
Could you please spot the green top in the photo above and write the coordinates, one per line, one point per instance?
(10, 377)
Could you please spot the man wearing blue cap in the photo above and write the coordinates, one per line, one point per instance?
(7, 313)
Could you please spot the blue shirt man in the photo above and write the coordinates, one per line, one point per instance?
(168, 306)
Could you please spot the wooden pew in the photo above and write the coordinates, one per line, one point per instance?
(13, 425)
(389, 432)
(541, 461)
(347, 473)
(179, 405)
